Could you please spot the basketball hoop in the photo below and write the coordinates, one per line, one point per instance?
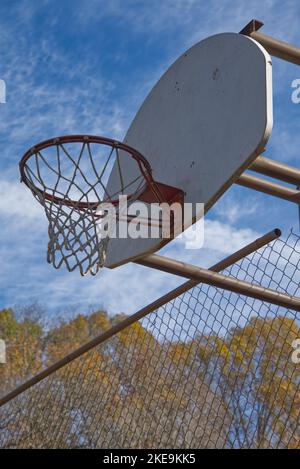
(68, 176)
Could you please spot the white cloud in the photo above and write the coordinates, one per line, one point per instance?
(220, 239)
(155, 15)
(229, 208)
(16, 202)
(226, 239)
(284, 144)
(192, 19)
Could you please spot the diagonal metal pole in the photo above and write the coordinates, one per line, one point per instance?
(228, 261)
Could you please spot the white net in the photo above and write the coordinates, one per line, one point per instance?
(69, 179)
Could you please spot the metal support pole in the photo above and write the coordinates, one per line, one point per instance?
(277, 48)
(269, 187)
(245, 251)
(215, 279)
(276, 170)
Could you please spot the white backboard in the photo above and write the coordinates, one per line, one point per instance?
(201, 126)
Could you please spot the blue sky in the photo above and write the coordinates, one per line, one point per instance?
(85, 67)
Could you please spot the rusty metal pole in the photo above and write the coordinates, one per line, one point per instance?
(215, 279)
(245, 251)
(277, 48)
(280, 49)
(269, 187)
(276, 170)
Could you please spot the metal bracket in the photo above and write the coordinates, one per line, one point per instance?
(253, 25)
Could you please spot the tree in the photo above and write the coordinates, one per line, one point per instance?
(24, 347)
(253, 372)
(138, 391)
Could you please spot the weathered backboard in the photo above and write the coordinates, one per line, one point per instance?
(203, 123)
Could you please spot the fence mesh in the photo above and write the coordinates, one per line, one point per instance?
(210, 369)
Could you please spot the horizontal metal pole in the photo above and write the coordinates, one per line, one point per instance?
(276, 170)
(215, 279)
(280, 49)
(269, 187)
(245, 251)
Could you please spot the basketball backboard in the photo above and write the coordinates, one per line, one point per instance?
(204, 122)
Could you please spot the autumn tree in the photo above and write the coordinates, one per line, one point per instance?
(24, 338)
(252, 370)
(139, 390)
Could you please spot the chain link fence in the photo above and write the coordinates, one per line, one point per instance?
(210, 369)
